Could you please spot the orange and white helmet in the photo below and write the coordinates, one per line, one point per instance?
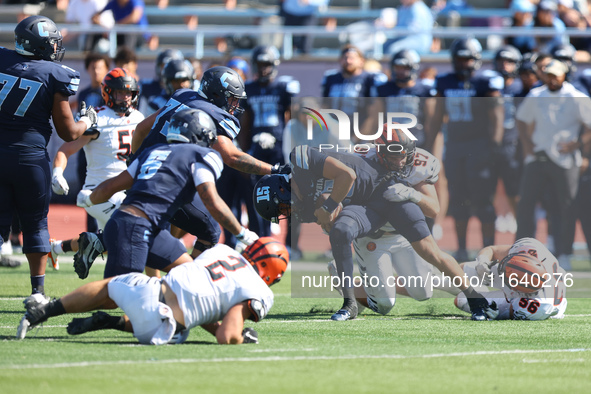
(269, 258)
(396, 145)
(523, 273)
(120, 79)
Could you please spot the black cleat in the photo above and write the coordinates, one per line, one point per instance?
(89, 247)
(36, 306)
(347, 312)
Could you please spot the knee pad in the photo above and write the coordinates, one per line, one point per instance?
(381, 305)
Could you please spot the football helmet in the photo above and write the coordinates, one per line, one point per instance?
(240, 64)
(565, 53)
(192, 126)
(176, 69)
(523, 273)
(389, 149)
(265, 60)
(268, 257)
(466, 48)
(272, 197)
(224, 88)
(38, 36)
(408, 58)
(527, 63)
(510, 54)
(120, 79)
(164, 57)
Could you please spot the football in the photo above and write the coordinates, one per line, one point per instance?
(524, 273)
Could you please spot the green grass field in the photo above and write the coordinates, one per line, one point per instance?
(419, 347)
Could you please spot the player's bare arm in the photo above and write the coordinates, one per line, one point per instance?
(68, 149)
(229, 331)
(142, 130)
(235, 158)
(218, 209)
(106, 189)
(63, 120)
(343, 177)
(429, 203)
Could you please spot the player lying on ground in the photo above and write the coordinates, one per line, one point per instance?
(220, 284)
(531, 284)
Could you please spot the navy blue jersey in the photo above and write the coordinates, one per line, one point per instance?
(267, 104)
(91, 96)
(468, 116)
(408, 100)
(509, 93)
(226, 124)
(163, 179)
(582, 82)
(346, 90)
(149, 88)
(26, 98)
(307, 168)
(158, 101)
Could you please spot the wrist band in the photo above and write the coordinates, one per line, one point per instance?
(86, 121)
(330, 205)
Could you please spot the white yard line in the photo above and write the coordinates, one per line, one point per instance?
(293, 358)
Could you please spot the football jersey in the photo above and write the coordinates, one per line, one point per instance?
(163, 178)
(268, 104)
(345, 91)
(226, 124)
(156, 102)
(550, 301)
(217, 280)
(149, 88)
(26, 98)
(407, 100)
(307, 168)
(509, 94)
(466, 110)
(106, 155)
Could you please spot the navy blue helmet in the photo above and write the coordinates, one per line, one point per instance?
(38, 36)
(164, 57)
(224, 88)
(408, 58)
(176, 69)
(511, 54)
(265, 60)
(466, 48)
(192, 126)
(272, 197)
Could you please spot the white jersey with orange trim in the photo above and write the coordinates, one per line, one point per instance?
(106, 155)
(426, 167)
(549, 302)
(216, 281)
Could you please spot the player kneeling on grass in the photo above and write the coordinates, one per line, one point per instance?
(220, 285)
(532, 284)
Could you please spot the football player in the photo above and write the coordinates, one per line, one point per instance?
(266, 113)
(106, 152)
(474, 129)
(218, 291)
(150, 88)
(34, 89)
(537, 296)
(176, 74)
(161, 180)
(506, 156)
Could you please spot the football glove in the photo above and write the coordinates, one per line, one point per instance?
(245, 238)
(59, 185)
(83, 198)
(492, 311)
(265, 140)
(483, 269)
(400, 192)
(281, 169)
(88, 115)
(249, 335)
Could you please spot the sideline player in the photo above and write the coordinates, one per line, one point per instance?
(34, 89)
(220, 284)
(106, 152)
(535, 300)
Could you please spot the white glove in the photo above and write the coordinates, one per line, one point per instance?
(400, 192)
(88, 115)
(83, 199)
(59, 185)
(265, 140)
(492, 311)
(245, 238)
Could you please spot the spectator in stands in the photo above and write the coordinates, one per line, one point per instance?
(81, 12)
(127, 59)
(549, 131)
(416, 16)
(301, 13)
(574, 19)
(546, 16)
(129, 12)
(97, 66)
(523, 11)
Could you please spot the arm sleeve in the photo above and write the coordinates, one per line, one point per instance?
(201, 174)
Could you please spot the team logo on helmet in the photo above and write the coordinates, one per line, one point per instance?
(269, 258)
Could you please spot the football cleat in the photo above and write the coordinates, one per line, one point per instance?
(35, 305)
(52, 255)
(89, 247)
(347, 312)
(332, 270)
(98, 321)
(481, 310)
(8, 262)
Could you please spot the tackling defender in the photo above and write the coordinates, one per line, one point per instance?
(220, 284)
